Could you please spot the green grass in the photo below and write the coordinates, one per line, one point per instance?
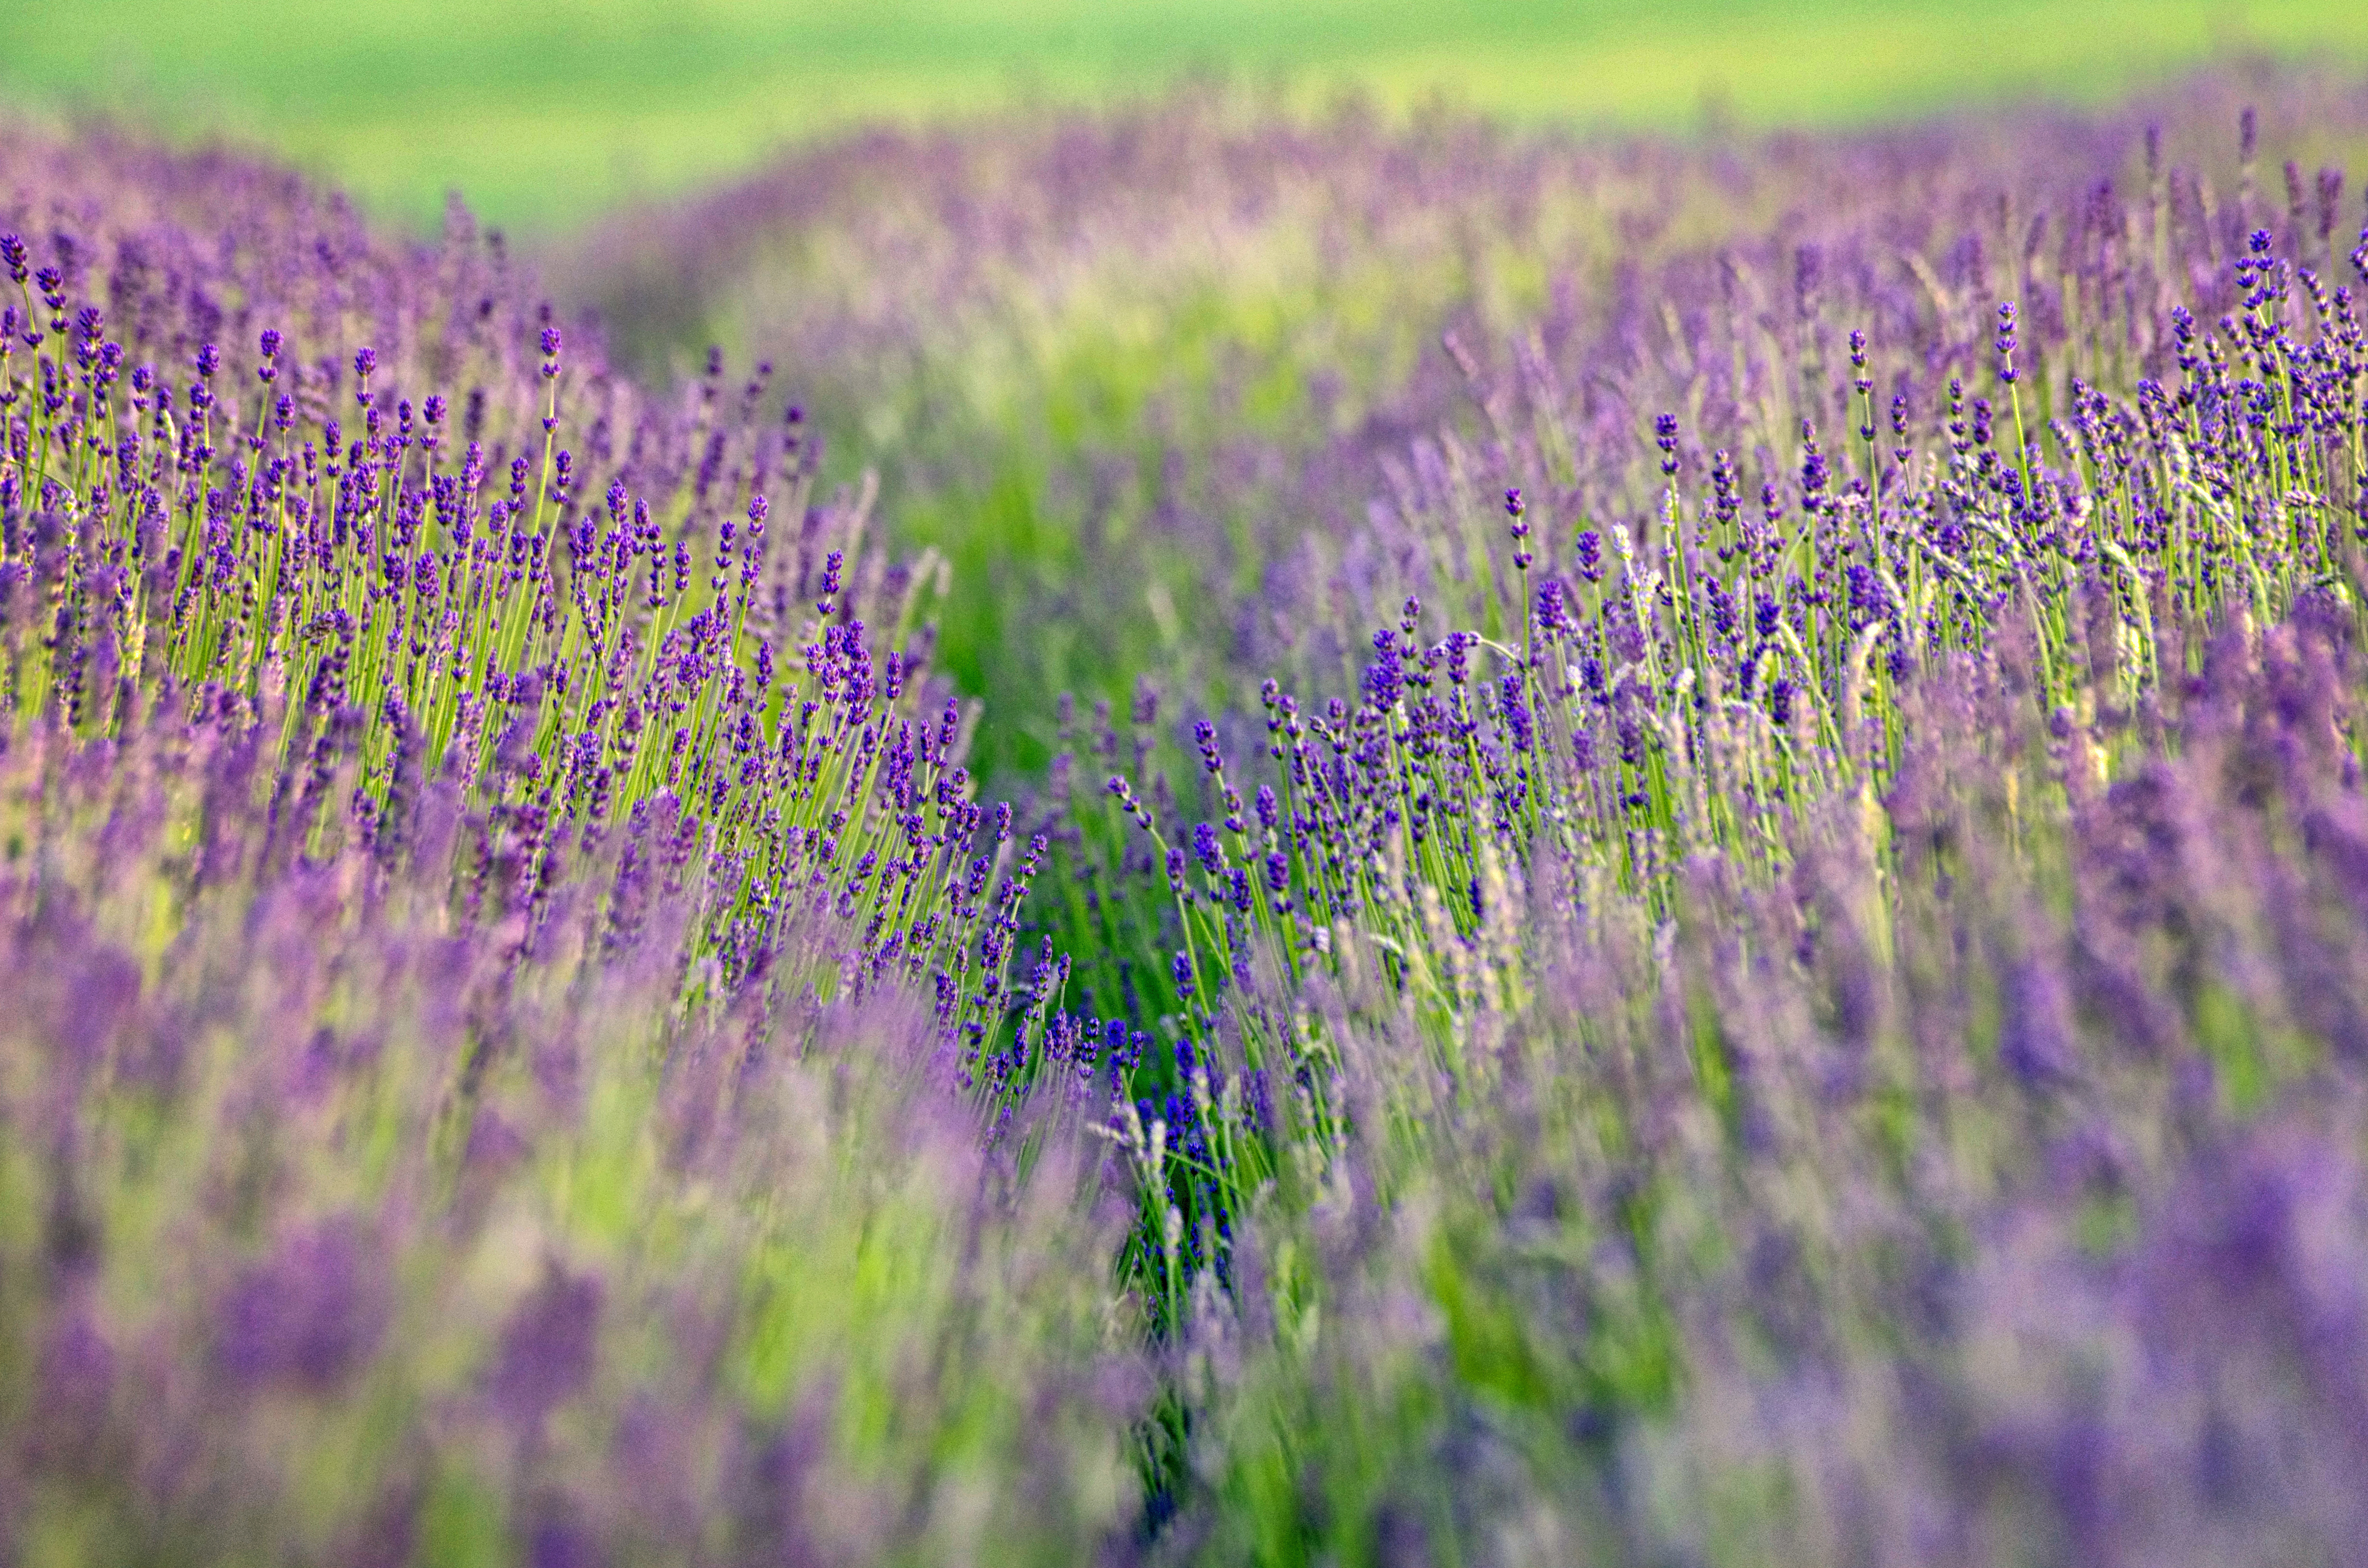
(542, 114)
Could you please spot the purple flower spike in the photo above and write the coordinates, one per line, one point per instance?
(548, 1350)
(309, 1316)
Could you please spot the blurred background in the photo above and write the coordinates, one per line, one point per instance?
(544, 114)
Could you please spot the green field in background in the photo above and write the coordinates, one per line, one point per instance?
(544, 113)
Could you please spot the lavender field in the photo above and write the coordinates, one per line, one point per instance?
(1248, 838)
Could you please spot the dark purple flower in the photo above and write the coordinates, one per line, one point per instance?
(548, 1349)
(1384, 679)
(310, 1314)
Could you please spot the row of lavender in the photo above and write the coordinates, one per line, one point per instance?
(1908, 1109)
(401, 584)
(1671, 690)
(494, 916)
(1598, 1088)
(1685, 678)
(1895, 779)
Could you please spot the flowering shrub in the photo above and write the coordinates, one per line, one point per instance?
(1774, 971)
(467, 863)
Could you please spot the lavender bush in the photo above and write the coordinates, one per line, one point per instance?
(466, 1097)
(1720, 920)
